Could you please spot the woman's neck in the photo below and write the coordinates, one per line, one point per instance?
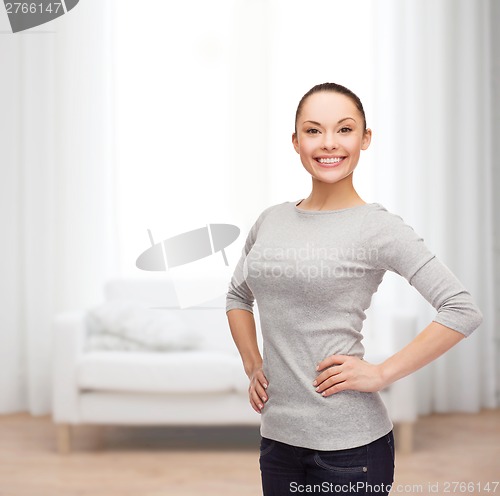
(326, 196)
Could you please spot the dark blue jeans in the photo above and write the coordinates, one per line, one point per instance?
(288, 470)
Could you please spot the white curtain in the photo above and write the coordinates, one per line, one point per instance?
(434, 163)
(56, 191)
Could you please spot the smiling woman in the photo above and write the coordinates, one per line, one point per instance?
(330, 146)
(323, 419)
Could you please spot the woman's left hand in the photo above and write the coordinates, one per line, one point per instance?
(341, 372)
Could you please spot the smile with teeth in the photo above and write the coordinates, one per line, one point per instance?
(328, 161)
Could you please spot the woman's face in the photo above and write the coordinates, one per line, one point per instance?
(330, 136)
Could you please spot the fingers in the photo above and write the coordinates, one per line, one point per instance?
(257, 391)
(329, 385)
(332, 379)
(257, 399)
(339, 386)
(331, 360)
(261, 378)
(354, 373)
(254, 405)
(258, 394)
(325, 375)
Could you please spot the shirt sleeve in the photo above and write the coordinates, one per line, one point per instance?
(239, 294)
(395, 246)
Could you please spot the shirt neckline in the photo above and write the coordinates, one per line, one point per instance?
(321, 212)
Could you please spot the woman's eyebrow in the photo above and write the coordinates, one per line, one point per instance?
(341, 120)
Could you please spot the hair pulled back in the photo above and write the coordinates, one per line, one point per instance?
(336, 88)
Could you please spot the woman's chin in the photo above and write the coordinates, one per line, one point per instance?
(329, 177)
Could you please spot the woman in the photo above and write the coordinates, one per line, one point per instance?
(313, 266)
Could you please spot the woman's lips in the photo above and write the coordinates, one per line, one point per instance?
(330, 165)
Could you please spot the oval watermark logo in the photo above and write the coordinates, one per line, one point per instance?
(26, 15)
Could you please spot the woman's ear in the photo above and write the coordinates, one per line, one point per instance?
(295, 142)
(367, 138)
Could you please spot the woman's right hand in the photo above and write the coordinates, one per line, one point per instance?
(257, 389)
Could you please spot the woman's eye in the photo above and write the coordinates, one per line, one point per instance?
(312, 131)
(345, 130)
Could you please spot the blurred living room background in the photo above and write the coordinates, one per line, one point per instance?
(124, 124)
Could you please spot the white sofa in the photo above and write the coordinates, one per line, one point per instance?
(205, 386)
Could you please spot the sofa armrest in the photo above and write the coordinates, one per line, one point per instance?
(69, 336)
(404, 391)
(400, 397)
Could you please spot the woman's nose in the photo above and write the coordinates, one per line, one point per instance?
(329, 142)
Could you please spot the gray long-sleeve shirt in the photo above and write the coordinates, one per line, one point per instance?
(313, 274)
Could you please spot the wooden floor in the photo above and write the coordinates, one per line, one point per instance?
(144, 461)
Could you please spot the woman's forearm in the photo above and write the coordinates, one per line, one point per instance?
(242, 325)
(431, 343)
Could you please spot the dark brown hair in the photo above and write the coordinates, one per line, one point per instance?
(336, 88)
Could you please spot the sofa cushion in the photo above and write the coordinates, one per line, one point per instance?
(209, 318)
(128, 325)
(193, 371)
(135, 326)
